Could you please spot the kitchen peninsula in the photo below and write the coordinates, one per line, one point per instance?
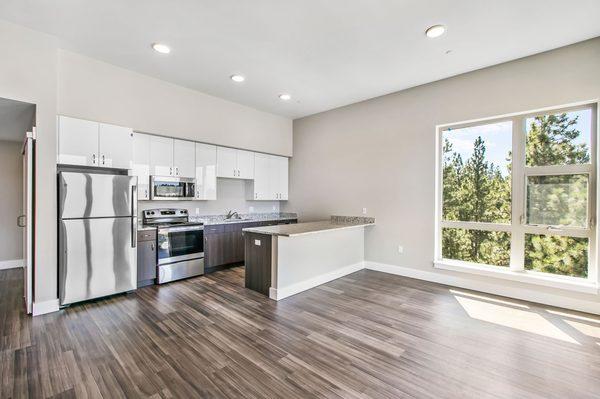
(287, 259)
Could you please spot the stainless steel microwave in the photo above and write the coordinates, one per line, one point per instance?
(172, 188)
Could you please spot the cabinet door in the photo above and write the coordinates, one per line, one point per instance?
(226, 162)
(281, 171)
(184, 158)
(77, 141)
(245, 164)
(161, 156)
(146, 261)
(141, 164)
(262, 177)
(115, 146)
(206, 172)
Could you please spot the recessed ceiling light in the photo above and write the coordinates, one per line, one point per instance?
(237, 78)
(161, 48)
(435, 31)
(285, 97)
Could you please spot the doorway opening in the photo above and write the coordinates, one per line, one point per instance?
(17, 171)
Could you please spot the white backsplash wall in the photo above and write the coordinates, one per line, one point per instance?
(231, 195)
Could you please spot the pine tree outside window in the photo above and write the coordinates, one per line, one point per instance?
(518, 193)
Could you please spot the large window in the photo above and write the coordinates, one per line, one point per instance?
(518, 193)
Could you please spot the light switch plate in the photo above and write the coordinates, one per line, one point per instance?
(400, 249)
(364, 211)
(257, 242)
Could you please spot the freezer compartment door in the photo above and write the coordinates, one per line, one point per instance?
(96, 258)
(90, 195)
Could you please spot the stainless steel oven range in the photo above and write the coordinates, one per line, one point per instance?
(180, 244)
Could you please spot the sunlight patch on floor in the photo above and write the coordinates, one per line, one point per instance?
(574, 316)
(585, 329)
(509, 316)
(488, 298)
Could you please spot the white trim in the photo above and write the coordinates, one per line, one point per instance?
(530, 295)
(518, 227)
(11, 264)
(548, 280)
(40, 308)
(284, 292)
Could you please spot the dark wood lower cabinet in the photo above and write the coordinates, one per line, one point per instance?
(224, 243)
(146, 257)
(258, 262)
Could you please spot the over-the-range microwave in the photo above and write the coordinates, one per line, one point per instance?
(172, 188)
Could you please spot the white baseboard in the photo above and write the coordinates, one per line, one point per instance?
(11, 264)
(531, 295)
(284, 292)
(44, 307)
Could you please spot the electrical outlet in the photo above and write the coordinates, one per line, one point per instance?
(400, 249)
(251, 209)
(364, 211)
(197, 211)
(274, 208)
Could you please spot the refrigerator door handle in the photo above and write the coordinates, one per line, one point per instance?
(133, 216)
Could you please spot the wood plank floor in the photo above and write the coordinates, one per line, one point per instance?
(367, 335)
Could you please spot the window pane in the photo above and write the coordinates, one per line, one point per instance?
(476, 175)
(559, 139)
(558, 255)
(486, 247)
(557, 200)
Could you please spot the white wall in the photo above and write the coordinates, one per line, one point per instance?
(231, 195)
(28, 73)
(34, 70)
(95, 90)
(11, 198)
(380, 154)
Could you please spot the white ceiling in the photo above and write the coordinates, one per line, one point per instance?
(325, 53)
(16, 118)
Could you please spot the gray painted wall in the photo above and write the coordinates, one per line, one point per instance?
(380, 154)
(11, 181)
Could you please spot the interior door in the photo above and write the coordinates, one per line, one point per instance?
(26, 221)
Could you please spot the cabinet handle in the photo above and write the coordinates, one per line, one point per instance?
(93, 159)
(170, 171)
(152, 246)
(255, 195)
(102, 159)
(146, 193)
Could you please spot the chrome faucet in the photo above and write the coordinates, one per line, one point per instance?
(232, 215)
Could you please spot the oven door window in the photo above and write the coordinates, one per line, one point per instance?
(174, 244)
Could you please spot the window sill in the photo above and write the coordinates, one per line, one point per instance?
(564, 283)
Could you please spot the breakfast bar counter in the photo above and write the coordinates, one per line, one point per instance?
(284, 260)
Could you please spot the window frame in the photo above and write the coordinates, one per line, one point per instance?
(518, 226)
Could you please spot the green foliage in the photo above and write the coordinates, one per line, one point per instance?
(475, 190)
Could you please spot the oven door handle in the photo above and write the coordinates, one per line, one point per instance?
(180, 229)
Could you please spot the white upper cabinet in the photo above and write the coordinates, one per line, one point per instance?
(184, 158)
(270, 178)
(206, 172)
(245, 164)
(262, 178)
(237, 164)
(115, 146)
(161, 156)
(89, 143)
(141, 164)
(77, 141)
(281, 170)
(226, 162)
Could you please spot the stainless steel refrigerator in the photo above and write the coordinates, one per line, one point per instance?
(97, 235)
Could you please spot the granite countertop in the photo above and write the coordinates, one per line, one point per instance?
(292, 230)
(246, 218)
